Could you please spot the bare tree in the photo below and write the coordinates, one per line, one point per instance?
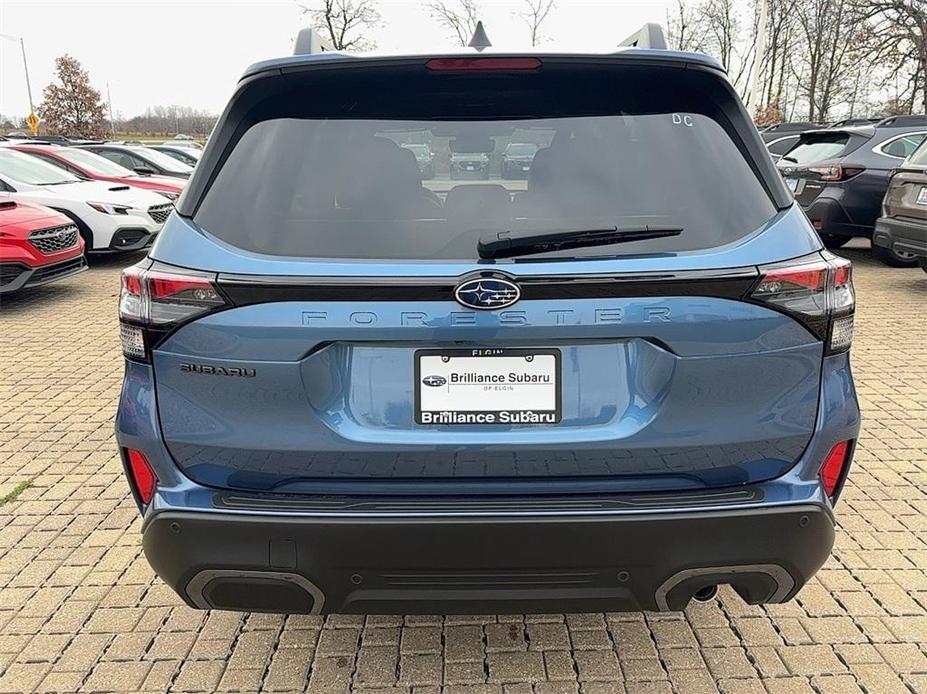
(719, 28)
(344, 22)
(780, 39)
(684, 28)
(533, 15)
(896, 37)
(460, 17)
(829, 37)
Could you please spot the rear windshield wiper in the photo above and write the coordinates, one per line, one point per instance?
(507, 244)
(791, 159)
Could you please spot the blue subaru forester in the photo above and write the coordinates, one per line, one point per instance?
(611, 383)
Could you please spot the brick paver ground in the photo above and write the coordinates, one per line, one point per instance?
(81, 610)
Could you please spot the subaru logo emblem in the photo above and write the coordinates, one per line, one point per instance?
(487, 293)
(434, 381)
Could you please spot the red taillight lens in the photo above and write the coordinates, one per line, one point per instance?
(478, 64)
(836, 172)
(808, 277)
(834, 465)
(818, 293)
(143, 477)
(155, 300)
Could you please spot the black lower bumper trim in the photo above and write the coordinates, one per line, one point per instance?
(16, 276)
(898, 235)
(131, 239)
(503, 564)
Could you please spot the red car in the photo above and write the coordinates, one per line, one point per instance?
(86, 164)
(37, 245)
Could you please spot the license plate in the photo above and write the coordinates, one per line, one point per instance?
(487, 386)
(922, 196)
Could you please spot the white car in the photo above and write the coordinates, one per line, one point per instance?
(188, 155)
(110, 216)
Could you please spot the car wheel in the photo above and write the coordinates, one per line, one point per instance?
(894, 258)
(834, 241)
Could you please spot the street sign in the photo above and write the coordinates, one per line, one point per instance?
(32, 121)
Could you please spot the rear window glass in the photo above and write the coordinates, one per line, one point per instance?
(319, 187)
(902, 147)
(818, 148)
(920, 156)
(521, 150)
(782, 146)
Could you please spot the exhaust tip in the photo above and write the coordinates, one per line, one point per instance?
(705, 594)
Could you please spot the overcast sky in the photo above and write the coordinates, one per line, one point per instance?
(192, 53)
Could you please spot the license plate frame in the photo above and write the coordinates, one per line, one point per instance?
(468, 415)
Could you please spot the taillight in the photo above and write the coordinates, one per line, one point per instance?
(142, 475)
(818, 293)
(837, 172)
(832, 470)
(481, 64)
(153, 301)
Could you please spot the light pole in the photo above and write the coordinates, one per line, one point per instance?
(22, 45)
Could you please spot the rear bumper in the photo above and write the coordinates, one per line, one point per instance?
(828, 216)
(453, 564)
(897, 235)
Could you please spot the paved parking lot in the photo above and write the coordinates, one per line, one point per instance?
(81, 610)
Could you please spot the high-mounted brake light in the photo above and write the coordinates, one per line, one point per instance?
(818, 293)
(153, 301)
(142, 476)
(478, 64)
(832, 470)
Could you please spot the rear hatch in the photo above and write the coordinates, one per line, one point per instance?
(340, 332)
(816, 160)
(906, 198)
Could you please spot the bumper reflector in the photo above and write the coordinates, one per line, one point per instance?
(832, 469)
(143, 477)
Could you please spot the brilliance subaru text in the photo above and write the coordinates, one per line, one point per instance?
(614, 384)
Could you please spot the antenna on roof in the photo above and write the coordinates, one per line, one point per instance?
(480, 40)
(310, 41)
(648, 36)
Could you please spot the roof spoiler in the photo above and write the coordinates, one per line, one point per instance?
(310, 41)
(648, 36)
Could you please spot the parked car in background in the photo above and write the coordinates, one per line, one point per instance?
(839, 176)
(902, 228)
(110, 217)
(183, 141)
(188, 155)
(86, 164)
(780, 138)
(517, 158)
(424, 157)
(143, 160)
(613, 387)
(37, 245)
(469, 165)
